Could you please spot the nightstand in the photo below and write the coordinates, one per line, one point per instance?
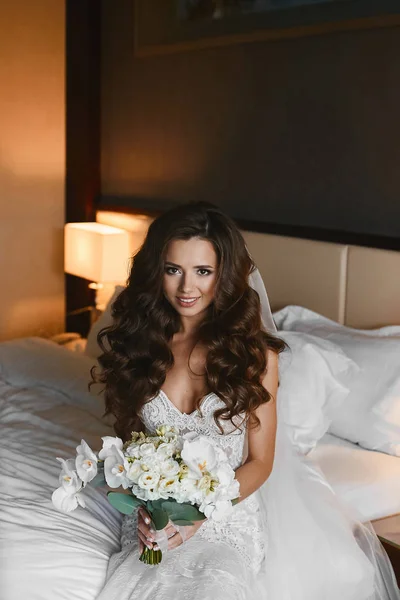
(388, 531)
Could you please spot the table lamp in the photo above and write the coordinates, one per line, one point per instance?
(99, 253)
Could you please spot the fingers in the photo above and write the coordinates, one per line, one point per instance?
(144, 525)
(175, 541)
(143, 541)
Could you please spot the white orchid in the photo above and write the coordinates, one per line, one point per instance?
(86, 462)
(199, 454)
(108, 443)
(218, 511)
(185, 469)
(66, 497)
(115, 466)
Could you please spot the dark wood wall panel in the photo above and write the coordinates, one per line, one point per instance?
(83, 71)
(301, 133)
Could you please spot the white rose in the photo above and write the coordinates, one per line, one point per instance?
(108, 443)
(86, 462)
(152, 462)
(186, 491)
(134, 470)
(148, 480)
(166, 450)
(115, 469)
(167, 487)
(147, 449)
(133, 451)
(199, 454)
(170, 467)
(140, 493)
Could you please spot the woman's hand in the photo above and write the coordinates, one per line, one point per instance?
(147, 535)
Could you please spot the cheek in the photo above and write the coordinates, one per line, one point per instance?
(168, 285)
(208, 287)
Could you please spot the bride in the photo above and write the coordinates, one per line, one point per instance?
(193, 345)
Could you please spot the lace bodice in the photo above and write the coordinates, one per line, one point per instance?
(160, 410)
(243, 531)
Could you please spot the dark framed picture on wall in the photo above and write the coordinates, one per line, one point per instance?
(167, 26)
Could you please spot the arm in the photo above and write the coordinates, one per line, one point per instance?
(261, 439)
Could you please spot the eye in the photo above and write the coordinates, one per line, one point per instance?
(171, 270)
(204, 272)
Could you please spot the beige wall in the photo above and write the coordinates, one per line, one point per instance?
(32, 167)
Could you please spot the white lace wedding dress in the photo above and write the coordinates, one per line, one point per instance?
(234, 560)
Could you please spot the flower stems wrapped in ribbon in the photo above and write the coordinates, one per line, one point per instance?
(175, 478)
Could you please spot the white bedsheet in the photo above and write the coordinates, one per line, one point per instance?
(368, 481)
(45, 409)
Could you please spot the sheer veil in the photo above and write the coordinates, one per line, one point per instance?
(315, 548)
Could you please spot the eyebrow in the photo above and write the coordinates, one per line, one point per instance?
(168, 262)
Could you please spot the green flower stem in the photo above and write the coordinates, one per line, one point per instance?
(151, 557)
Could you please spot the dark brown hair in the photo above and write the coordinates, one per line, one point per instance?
(136, 348)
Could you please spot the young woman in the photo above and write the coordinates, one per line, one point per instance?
(189, 348)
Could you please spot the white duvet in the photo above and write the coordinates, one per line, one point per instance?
(45, 409)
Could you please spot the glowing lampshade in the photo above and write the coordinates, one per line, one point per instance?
(96, 252)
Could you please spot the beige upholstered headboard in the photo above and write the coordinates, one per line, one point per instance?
(357, 286)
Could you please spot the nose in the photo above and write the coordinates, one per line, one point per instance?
(186, 283)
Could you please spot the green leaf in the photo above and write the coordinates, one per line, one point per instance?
(182, 522)
(98, 480)
(185, 512)
(157, 504)
(125, 503)
(160, 518)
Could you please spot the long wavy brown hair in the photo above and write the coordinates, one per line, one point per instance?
(136, 348)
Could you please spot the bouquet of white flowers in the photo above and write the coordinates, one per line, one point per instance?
(175, 478)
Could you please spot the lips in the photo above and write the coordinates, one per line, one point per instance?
(187, 302)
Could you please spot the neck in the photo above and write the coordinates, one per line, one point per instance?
(190, 325)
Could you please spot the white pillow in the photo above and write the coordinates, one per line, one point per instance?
(105, 320)
(313, 385)
(371, 414)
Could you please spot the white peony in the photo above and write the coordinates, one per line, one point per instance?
(199, 454)
(115, 469)
(108, 443)
(86, 462)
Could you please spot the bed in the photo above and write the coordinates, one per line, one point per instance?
(46, 408)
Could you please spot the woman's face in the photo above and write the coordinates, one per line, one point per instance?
(190, 275)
